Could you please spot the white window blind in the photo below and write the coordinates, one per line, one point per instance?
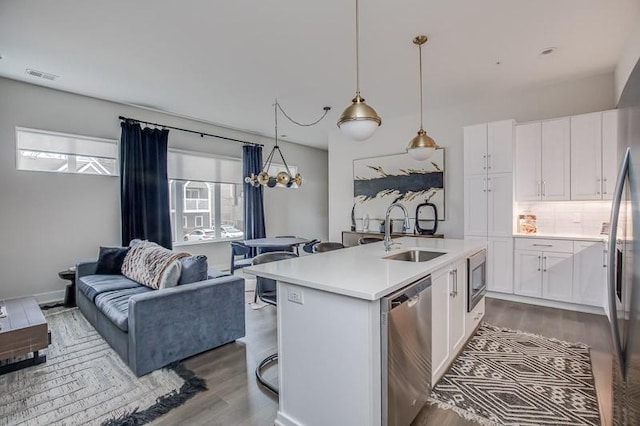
(204, 168)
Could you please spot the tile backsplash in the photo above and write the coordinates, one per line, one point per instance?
(566, 217)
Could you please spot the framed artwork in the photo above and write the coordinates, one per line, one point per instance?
(380, 181)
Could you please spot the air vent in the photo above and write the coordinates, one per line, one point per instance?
(40, 74)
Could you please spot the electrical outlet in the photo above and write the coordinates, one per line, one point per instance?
(295, 295)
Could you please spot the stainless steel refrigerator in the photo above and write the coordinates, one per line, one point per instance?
(623, 283)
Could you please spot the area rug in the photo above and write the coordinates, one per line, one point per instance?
(508, 377)
(85, 382)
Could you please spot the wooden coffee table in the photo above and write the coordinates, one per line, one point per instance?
(23, 331)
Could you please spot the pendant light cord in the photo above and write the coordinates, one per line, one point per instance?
(421, 112)
(357, 50)
(326, 111)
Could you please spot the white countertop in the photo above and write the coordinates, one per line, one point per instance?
(573, 237)
(361, 271)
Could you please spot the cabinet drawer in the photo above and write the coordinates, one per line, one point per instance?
(474, 317)
(543, 244)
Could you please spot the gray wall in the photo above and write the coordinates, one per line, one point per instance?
(48, 221)
(445, 126)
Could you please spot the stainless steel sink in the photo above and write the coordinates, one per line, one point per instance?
(415, 255)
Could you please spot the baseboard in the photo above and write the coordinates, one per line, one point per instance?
(284, 420)
(50, 297)
(548, 303)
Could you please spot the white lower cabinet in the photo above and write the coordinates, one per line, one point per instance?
(560, 270)
(557, 276)
(448, 316)
(473, 318)
(500, 264)
(589, 273)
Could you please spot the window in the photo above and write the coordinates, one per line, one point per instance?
(44, 151)
(206, 191)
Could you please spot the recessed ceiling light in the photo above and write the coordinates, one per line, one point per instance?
(547, 51)
(283, 136)
(41, 74)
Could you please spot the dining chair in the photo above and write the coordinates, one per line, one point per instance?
(266, 290)
(327, 246)
(369, 240)
(308, 247)
(239, 249)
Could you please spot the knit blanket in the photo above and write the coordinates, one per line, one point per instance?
(152, 265)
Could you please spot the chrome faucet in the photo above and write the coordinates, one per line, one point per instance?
(387, 225)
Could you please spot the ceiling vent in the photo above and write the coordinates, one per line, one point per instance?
(40, 74)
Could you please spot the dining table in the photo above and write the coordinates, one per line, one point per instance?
(275, 242)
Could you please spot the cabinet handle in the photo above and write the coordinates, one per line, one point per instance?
(454, 277)
(604, 185)
(604, 258)
(539, 263)
(489, 184)
(538, 187)
(543, 188)
(542, 245)
(544, 264)
(488, 161)
(485, 162)
(599, 185)
(484, 185)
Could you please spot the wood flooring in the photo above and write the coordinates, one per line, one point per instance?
(234, 398)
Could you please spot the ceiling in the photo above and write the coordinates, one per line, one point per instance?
(225, 62)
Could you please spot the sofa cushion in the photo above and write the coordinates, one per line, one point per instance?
(115, 305)
(110, 260)
(152, 265)
(194, 269)
(92, 285)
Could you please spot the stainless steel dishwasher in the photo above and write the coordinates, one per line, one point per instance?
(406, 352)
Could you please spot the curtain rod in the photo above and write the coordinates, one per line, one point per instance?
(202, 134)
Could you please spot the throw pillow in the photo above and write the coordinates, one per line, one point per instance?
(194, 269)
(171, 275)
(110, 260)
(151, 265)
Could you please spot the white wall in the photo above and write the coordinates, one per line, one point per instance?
(445, 126)
(48, 221)
(628, 59)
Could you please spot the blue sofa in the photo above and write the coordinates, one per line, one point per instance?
(150, 328)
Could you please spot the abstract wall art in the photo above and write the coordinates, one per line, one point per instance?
(380, 181)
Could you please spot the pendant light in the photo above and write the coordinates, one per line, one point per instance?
(422, 146)
(359, 121)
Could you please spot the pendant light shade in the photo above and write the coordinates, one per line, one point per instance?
(359, 121)
(422, 146)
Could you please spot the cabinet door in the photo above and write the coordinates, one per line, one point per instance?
(527, 163)
(556, 146)
(475, 149)
(586, 157)
(528, 273)
(609, 152)
(589, 273)
(475, 205)
(457, 307)
(500, 265)
(500, 204)
(557, 276)
(500, 146)
(439, 322)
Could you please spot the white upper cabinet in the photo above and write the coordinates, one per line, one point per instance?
(609, 152)
(488, 148)
(594, 155)
(475, 149)
(556, 148)
(500, 146)
(542, 160)
(586, 157)
(527, 161)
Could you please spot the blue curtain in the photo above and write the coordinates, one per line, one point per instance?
(144, 186)
(253, 197)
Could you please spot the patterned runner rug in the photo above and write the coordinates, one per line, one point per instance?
(85, 382)
(508, 377)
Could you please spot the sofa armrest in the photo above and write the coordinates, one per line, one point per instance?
(86, 267)
(172, 324)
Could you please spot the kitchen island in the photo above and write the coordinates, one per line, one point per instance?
(329, 325)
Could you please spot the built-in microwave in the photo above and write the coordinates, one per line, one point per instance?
(476, 278)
